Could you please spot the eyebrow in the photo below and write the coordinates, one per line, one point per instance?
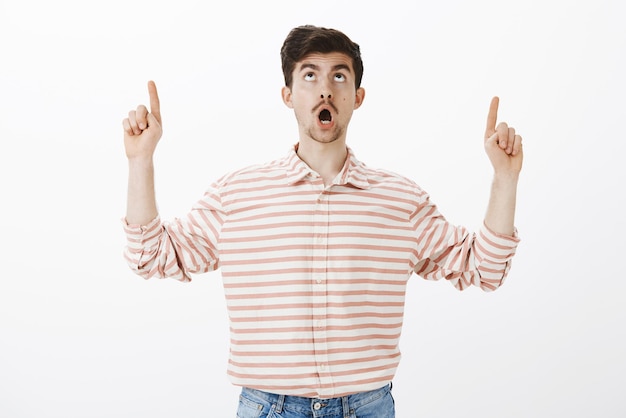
(316, 67)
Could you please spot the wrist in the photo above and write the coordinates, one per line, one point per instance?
(506, 178)
(141, 162)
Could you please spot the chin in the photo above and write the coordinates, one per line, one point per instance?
(327, 138)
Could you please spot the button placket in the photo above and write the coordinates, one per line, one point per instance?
(319, 287)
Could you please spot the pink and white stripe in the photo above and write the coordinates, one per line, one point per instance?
(314, 276)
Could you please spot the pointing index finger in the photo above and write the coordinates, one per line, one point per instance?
(155, 105)
(492, 117)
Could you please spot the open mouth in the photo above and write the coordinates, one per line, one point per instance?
(325, 117)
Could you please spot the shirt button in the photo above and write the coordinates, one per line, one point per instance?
(317, 406)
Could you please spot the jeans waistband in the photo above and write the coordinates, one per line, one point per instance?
(304, 404)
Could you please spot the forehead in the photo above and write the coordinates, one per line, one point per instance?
(331, 60)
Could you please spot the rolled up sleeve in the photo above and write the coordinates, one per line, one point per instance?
(494, 253)
(149, 253)
(463, 258)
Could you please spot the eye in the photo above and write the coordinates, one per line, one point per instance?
(309, 77)
(340, 77)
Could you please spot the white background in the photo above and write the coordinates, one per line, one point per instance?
(81, 336)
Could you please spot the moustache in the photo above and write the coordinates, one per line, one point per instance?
(325, 103)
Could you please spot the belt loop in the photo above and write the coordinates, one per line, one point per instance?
(280, 403)
(346, 406)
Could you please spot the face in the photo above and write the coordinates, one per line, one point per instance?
(323, 96)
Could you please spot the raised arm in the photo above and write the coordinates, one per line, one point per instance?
(504, 149)
(142, 131)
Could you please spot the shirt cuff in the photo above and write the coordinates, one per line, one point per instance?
(142, 236)
(496, 247)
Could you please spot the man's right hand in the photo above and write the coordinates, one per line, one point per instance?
(142, 129)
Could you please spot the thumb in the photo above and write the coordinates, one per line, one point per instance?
(153, 121)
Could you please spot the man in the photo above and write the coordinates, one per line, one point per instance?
(316, 248)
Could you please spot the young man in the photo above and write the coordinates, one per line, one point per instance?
(316, 248)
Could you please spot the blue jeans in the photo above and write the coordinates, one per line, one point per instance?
(373, 404)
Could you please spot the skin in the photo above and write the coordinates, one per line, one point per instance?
(142, 131)
(504, 149)
(321, 81)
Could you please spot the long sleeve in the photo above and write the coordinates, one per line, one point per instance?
(463, 258)
(180, 248)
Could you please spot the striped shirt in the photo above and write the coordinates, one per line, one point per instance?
(315, 276)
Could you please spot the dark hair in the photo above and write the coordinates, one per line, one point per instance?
(308, 39)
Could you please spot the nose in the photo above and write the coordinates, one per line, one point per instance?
(325, 91)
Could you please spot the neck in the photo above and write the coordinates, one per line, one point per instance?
(325, 159)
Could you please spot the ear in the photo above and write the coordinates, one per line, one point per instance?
(360, 96)
(286, 94)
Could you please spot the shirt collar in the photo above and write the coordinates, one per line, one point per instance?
(353, 172)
